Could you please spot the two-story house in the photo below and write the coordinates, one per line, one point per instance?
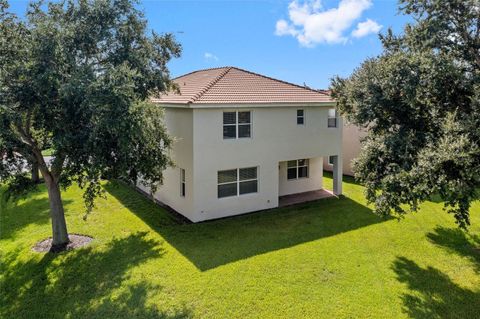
(244, 140)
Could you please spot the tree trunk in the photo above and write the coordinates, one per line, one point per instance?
(59, 226)
(51, 174)
(35, 176)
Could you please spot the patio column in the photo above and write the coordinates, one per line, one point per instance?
(337, 174)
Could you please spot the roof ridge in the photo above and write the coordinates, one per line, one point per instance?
(281, 81)
(201, 70)
(324, 91)
(209, 85)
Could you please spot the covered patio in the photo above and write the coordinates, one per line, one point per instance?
(304, 197)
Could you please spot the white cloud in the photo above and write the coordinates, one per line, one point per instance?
(311, 24)
(210, 56)
(283, 28)
(365, 28)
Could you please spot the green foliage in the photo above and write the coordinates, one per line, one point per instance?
(18, 186)
(76, 77)
(47, 152)
(420, 103)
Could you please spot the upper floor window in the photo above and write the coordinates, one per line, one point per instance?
(332, 118)
(237, 181)
(300, 117)
(237, 124)
(297, 169)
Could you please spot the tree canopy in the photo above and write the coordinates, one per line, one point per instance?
(419, 101)
(77, 76)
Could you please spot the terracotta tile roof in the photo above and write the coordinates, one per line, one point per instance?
(231, 85)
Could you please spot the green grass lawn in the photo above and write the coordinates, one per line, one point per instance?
(328, 259)
(48, 152)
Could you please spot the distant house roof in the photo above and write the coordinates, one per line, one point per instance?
(231, 85)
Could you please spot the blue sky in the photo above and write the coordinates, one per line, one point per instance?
(296, 41)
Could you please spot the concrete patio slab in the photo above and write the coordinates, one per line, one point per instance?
(293, 199)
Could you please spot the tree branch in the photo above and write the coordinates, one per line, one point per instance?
(22, 135)
(35, 151)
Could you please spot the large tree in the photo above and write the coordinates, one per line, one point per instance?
(77, 76)
(420, 103)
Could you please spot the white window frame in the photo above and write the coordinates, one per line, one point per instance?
(238, 181)
(335, 118)
(301, 116)
(297, 168)
(183, 185)
(237, 124)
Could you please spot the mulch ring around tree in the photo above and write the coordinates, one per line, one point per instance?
(76, 241)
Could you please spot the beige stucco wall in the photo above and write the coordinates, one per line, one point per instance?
(350, 147)
(201, 150)
(276, 137)
(179, 123)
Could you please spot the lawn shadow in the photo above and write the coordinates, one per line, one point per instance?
(14, 216)
(436, 198)
(434, 294)
(215, 243)
(81, 283)
(458, 241)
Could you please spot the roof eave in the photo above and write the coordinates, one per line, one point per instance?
(172, 104)
(244, 105)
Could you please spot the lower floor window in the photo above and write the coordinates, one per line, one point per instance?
(330, 160)
(237, 181)
(297, 169)
(182, 182)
